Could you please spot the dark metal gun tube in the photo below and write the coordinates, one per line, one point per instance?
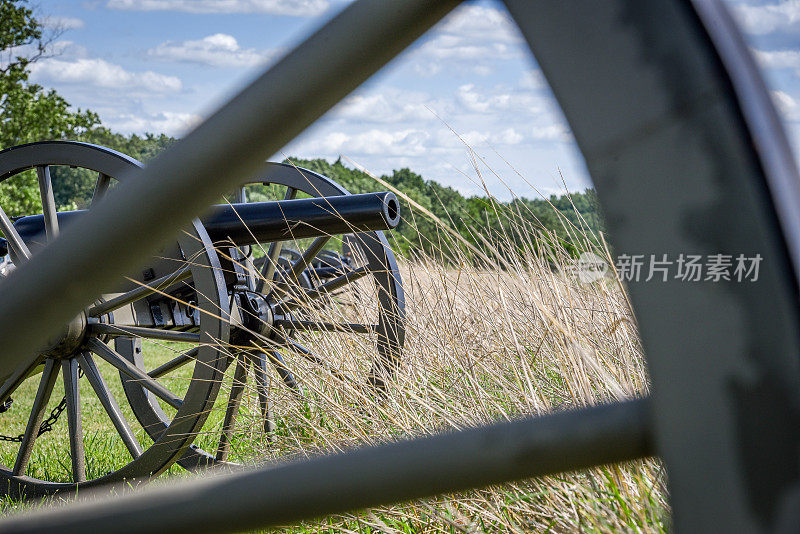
(248, 223)
(310, 217)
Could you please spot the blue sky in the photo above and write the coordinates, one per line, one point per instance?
(163, 65)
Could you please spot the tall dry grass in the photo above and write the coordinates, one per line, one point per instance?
(492, 334)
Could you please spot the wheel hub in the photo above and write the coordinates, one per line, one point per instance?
(255, 316)
(67, 340)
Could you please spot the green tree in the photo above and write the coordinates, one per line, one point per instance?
(28, 112)
(74, 187)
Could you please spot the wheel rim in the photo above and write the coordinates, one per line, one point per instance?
(688, 155)
(201, 392)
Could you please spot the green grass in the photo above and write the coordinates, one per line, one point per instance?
(104, 448)
(483, 344)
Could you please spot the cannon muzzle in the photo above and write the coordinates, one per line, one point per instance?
(261, 222)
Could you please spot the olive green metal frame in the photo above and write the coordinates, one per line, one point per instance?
(688, 156)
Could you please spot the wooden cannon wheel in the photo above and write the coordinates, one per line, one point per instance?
(300, 306)
(84, 353)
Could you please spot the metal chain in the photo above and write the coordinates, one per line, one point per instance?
(48, 424)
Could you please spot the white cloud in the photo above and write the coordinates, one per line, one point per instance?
(533, 79)
(475, 100)
(68, 49)
(481, 23)
(409, 142)
(390, 106)
(474, 138)
(470, 39)
(787, 105)
(300, 8)
(783, 101)
(551, 132)
(778, 59)
(218, 50)
(167, 122)
(768, 18)
(458, 48)
(61, 23)
(57, 48)
(101, 73)
(509, 136)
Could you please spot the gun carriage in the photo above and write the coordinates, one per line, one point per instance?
(226, 299)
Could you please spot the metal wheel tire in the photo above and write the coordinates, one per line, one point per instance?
(211, 297)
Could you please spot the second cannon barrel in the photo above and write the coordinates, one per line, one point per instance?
(282, 220)
(310, 217)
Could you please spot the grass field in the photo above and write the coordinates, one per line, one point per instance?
(512, 334)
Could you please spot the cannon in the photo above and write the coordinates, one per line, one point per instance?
(259, 222)
(224, 302)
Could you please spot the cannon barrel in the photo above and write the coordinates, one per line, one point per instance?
(270, 221)
(312, 217)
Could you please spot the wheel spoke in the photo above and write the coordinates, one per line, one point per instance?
(279, 363)
(310, 253)
(140, 292)
(115, 359)
(179, 361)
(17, 377)
(48, 381)
(110, 405)
(48, 202)
(232, 410)
(297, 324)
(239, 195)
(69, 370)
(290, 277)
(271, 260)
(100, 188)
(299, 349)
(139, 331)
(323, 290)
(16, 243)
(259, 362)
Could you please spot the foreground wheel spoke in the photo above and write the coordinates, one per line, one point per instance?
(48, 202)
(140, 292)
(232, 410)
(69, 369)
(138, 331)
(16, 243)
(179, 361)
(100, 188)
(48, 381)
(115, 359)
(110, 405)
